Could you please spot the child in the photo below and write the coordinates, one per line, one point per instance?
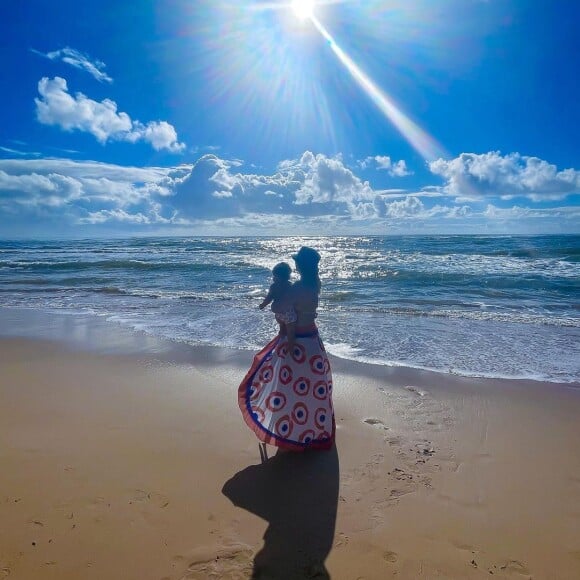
(279, 295)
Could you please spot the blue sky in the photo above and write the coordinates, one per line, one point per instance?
(231, 118)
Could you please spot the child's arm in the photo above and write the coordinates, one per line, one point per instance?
(267, 300)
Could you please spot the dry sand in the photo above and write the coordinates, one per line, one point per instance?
(128, 467)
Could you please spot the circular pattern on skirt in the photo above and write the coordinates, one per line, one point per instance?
(285, 375)
(300, 413)
(299, 353)
(317, 365)
(282, 349)
(307, 436)
(258, 414)
(302, 386)
(255, 391)
(275, 401)
(320, 417)
(284, 426)
(266, 374)
(320, 390)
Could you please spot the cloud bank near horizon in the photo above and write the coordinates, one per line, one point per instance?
(313, 192)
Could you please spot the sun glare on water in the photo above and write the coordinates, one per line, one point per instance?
(303, 8)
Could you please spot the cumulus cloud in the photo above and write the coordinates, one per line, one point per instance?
(408, 207)
(75, 58)
(87, 192)
(310, 185)
(385, 163)
(472, 176)
(326, 180)
(312, 192)
(160, 134)
(412, 208)
(56, 106)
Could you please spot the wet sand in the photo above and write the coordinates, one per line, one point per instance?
(139, 466)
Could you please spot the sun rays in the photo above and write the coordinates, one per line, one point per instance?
(419, 139)
(276, 56)
(426, 145)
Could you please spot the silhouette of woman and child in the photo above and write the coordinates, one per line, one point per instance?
(286, 396)
(286, 400)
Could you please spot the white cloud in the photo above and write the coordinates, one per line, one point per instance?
(56, 106)
(95, 68)
(328, 180)
(20, 153)
(91, 169)
(311, 185)
(122, 216)
(412, 208)
(160, 134)
(313, 193)
(385, 163)
(30, 183)
(408, 207)
(518, 213)
(87, 192)
(458, 211)
(472, 176)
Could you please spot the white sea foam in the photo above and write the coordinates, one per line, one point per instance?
(475, 306)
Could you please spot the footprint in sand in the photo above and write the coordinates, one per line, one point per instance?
(417, 391)
(152, 497)
(425, 449)
(514, 567)
(466, 547)
(342, 540)
(232, 562)
(390, 557)
(375, 423)
(398, 493)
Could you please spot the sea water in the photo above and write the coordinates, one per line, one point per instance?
(492, 306)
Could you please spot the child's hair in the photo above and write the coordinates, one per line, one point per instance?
(282, 271)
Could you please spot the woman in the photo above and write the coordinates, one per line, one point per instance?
(286, 397)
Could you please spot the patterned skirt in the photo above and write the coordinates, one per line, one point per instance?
(286, 398)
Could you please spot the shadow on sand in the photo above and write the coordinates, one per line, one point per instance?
(297, 493)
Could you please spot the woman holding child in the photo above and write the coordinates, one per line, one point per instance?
(286, 396)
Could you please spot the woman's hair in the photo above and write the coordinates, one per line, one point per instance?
(309, 275)
(307, 260)
(282, 271)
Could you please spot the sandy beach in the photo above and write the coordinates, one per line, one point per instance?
(139, 466)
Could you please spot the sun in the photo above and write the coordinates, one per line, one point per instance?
(303, 8)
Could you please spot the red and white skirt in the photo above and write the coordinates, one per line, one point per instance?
(286, 398)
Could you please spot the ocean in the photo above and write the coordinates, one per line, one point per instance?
(488, 306)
